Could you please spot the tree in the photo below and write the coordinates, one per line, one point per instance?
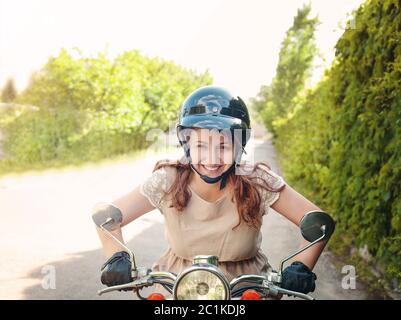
(9, 92)
(88, 108)
(296, 56)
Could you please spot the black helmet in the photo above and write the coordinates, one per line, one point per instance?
(212, 107)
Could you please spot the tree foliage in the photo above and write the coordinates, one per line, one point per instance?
(94, 107)
(342, 144)
(297, 53)
(9, 92)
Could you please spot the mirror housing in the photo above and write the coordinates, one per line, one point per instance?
(315, 224)
(107, 216)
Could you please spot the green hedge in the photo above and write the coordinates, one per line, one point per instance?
(342, 145)
(89, 108)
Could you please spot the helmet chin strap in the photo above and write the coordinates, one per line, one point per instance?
(211, 180)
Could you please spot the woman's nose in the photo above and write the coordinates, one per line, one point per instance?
(214, 156)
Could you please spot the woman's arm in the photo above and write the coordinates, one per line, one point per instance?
(294, 206)
(132, 206)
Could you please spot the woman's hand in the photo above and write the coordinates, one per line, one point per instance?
(117, 270)
(298, 277)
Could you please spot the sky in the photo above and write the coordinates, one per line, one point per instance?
(238, 41)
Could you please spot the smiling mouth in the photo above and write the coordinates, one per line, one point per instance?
(211, 169)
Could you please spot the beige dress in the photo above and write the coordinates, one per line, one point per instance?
(205, 228)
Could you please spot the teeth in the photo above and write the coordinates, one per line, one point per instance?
(211, 168)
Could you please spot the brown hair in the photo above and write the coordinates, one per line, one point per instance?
(246, 193)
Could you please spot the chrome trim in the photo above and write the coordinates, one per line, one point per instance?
(163, 274)
(134, 284)
(246, 278)
(206, 259)
(294, 293)
(274, 277)
(299, 251)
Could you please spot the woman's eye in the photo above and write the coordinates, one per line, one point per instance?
(221, 147)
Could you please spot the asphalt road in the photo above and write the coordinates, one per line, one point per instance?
(50, 249)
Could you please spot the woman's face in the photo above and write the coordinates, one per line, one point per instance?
(212, 152)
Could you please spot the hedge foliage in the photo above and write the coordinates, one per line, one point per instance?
(342, 144)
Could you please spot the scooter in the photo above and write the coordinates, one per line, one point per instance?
(204, 280)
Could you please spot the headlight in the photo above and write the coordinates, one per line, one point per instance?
(202, 283)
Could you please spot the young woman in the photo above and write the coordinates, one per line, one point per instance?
(212, 203)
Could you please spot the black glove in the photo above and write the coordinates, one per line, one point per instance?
(298, 277)
(117, 270)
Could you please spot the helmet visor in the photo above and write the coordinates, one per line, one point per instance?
(212, 122)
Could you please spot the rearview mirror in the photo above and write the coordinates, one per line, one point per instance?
(315, 224)
(107, 216)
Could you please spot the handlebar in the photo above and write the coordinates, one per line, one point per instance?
(269, 283)
(145, 281)
(294, 293)
(118, 287)
(168, 279)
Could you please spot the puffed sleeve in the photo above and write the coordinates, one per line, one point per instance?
(155, 186)
(275, 181)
